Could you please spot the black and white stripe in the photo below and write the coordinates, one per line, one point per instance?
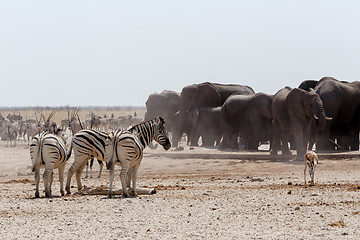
(49, 151)
(126, 148)
(87, 144)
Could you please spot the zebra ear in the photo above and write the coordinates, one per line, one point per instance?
(162, 121)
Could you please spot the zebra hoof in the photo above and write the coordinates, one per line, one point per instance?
(153, 192)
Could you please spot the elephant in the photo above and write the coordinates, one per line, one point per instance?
(164, 104)
(251, 116)
(341, 101)
(307, 84)
(208, 127)
(292, 111)
(204, 95)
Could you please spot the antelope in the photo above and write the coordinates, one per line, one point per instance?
(311, 161)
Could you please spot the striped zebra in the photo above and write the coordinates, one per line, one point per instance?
(87, 144)
(126, 148)
(49, 151)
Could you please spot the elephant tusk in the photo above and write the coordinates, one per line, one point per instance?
(316, 117)
(328, 118)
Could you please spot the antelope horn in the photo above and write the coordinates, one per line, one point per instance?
(51, 115)
(79, 120)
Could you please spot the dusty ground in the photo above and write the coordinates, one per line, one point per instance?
(196, 199)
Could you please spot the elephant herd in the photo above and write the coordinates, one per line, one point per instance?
(325, 113)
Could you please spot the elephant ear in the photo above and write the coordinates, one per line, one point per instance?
(208, 96)
(295, 103)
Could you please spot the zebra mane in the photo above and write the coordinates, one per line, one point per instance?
(145, 131)
(151, 123)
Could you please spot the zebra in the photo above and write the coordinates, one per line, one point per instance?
(49, 151)
(126, 147)
(87, 144)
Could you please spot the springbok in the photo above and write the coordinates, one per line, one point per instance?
(311, 161)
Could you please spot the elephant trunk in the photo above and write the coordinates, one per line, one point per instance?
(320, 119)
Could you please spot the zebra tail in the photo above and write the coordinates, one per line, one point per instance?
(36, 159)
(69, 146)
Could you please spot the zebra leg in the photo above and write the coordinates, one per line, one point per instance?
(305, 172)
(91, 166)
(133, 178)
(46, 176)
(51, 181)
(111, 179)
(129, 178)
(125, 165)
(101, 167)
(37, 181)
(74, 167)
(78, 175)
(61, 179)
(87, 170)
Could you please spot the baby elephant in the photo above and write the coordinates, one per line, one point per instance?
(311, 161)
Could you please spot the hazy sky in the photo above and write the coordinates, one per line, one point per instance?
(81, 53)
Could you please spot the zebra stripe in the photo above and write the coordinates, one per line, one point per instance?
(126, 148)
(87, 144)
(146, 131)
(49, 151)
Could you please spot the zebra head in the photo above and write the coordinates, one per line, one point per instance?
(109, 149)
(160, 133)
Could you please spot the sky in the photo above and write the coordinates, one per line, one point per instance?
(116, 53)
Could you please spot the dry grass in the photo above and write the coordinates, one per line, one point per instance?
(62, 113)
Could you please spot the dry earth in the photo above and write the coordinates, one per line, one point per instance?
(208, 198)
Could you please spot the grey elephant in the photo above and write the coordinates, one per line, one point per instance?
(164, 104)
(307, 84)
(208, 127)
(251, 116)
(341, 101)
(293, 111)
(202, 95)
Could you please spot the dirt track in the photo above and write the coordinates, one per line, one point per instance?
(196, 199)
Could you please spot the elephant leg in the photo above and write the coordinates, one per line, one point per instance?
(284, 137)
(252, 140)
(323, 141)
(234, 140)
(298, 133)
(226, 140)
(276, 139)
(355, 143)
(306, 137)
(194, 138)
(352, 140)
